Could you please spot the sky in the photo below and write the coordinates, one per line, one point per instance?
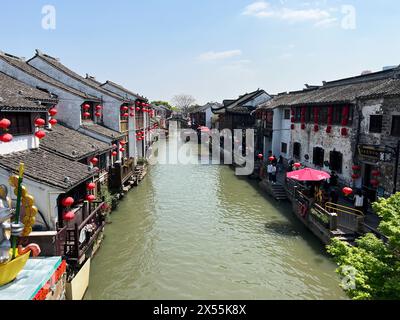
(210, 49)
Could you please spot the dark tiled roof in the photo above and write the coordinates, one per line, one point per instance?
(22, 65)
(17, 96)
(58, 65)
(47, 168)
(72, 144)
(335, 94)
(106, 132)
(239, 105)
(123, 89)
(212, 105)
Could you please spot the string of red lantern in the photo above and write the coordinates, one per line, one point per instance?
(67, 203)
(316, 119)
(330, 120)
(5, 137)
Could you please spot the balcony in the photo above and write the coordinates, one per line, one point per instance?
(121, 173)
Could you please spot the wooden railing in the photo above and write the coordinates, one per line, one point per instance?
(74, 248)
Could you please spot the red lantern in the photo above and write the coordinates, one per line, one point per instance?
(292, 127)
(132, 114)
(260, 156)
(90, 198)
(316, 128)
(347, 191)
(126, 115)
(40, 134)
(303, 126)
(355, 176)
(122, 149)
(91, 186)
(271, 159)
(137, 109)
(356, 168)
(99, 108)
(132, 108)
(68, 202)
(293, 120)
(53, 112)
(328, 129)
(6, 138)
(69, 216)
(122, 143)
(86, 107)
(374, 182)
(5, 124)
(40, 122)
(125, 108)
(98, 114)
(297, 165)
(53, 122)
(114, 146)
(114, 153)
(94, 161)
(86, 114)
(344, 132)
(375, 173)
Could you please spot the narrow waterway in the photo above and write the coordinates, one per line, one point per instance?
(200, 232)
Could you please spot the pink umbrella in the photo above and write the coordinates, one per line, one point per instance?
(204, 129)
(308, 174)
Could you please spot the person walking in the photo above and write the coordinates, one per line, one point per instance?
(270, 170)
(274, 174)
(359, 201)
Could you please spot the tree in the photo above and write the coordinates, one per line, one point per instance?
(183, 102)
(376, 263)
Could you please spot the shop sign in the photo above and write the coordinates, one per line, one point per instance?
(374, 153)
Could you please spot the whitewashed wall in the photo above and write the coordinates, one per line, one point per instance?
(45, 197)
(19, 143)
(281, 133)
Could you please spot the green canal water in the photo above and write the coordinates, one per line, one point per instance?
(200, 232)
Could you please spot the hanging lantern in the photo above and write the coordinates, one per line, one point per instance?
(53, 112)
(98, 114)
(355, 176)
(69, 216)
(297, 165)
(91, 198)
(303, 126)
(86, 107)
(122, 149)
(40, 122)
(293, 120)
(91, 186)
(271, 159)
(40, 134)
(347, 191)
(374, 183)
(132, 114)
(132, 108)
(114, 153)
(99, 108)
(94, 161)
(53, 122)
(125, 108)
(5, 124)
(86, 114)
(344, 132)
(356, 168)
(68, 202)
(375, 173)
(6, 138)
(122, 143)
(137, 109)
(260, 156)
(328, 129)
(316, 128)
(125, 115)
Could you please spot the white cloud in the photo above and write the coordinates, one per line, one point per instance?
(262, 9)
(212, 55)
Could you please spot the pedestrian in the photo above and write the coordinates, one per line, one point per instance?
(274, 173)
(334, 196)
(270, 170)
(359, 201)
(333, 181)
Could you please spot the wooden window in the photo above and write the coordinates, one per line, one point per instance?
(375, 123)
(336, 161)
(287, 114)
(296, 150)
(396, 126)
(323, 115)
(337, 115)
(318, 156)
(21, 123)
(284, 147)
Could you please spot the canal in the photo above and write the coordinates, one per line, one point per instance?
(200, 232)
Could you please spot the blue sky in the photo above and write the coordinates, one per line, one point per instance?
(211, 49)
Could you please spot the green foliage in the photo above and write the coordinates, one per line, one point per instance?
(108, 197)
(377, 263)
